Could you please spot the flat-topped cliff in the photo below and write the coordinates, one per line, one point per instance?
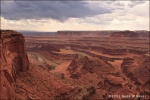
(12, 61)
(110, 33)
(85, 33)
(125, 34)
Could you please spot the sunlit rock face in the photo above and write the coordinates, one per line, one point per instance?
(13, 59)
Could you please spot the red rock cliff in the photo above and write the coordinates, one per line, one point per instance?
(13, 59)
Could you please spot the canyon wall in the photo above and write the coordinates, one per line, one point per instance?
(110, 33)
(13, 59)
(125, 34)
(85, 33)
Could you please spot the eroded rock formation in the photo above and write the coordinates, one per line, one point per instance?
(13, 59)
(77, 93)
(81, 66)
(137, 70)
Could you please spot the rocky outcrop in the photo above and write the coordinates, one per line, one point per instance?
(143, 33)
(125, 34)
(137, 70)
(111, 84)
(76, 93)
(12, 61)
(84, 65)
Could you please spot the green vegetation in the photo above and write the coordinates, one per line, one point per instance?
(52, 67)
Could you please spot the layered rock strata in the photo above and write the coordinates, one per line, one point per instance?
(13, 59)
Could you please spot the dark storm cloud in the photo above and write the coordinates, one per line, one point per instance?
(59, 10)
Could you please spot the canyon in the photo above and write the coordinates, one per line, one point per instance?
(78, 65)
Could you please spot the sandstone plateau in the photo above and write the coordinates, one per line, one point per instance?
(110, 33)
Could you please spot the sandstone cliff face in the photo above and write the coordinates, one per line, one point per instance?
(125, 34)
(84, 33)
(105, 33)
(13, 59)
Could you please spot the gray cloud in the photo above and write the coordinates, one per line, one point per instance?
(59, 10)
(135, 3)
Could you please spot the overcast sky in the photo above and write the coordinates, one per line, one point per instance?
(74, 15)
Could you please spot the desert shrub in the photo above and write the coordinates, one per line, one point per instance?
(52, 67)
